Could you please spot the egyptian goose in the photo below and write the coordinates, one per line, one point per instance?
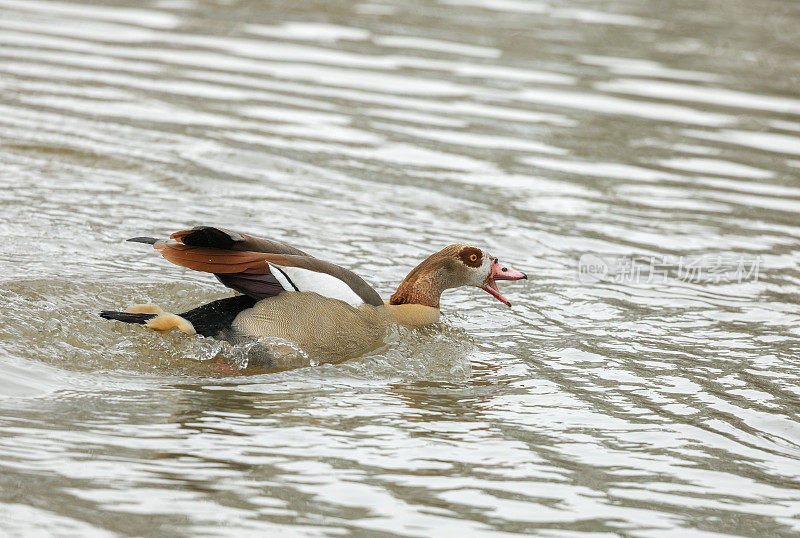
(328, 311)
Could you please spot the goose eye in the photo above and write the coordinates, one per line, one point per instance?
(473, 257)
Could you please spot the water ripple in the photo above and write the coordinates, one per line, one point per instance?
(372, 134)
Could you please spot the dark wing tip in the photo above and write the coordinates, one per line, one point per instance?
(147, 240)
(208, 236)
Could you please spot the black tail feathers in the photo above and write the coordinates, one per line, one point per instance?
(148, 240)
(126, 317)
(212, 319)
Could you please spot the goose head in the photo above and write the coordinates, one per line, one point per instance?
(452, 267)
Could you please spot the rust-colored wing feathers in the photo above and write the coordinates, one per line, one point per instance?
(240, 260)
(214, 260)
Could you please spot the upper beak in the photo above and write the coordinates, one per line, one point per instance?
(500, 272)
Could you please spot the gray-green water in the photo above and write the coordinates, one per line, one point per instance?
(371, 134)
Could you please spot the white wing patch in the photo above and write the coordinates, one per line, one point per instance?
(322, 283)
(280, 276)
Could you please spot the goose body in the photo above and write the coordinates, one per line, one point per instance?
(282, 292)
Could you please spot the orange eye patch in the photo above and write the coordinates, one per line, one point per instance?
(471, 256)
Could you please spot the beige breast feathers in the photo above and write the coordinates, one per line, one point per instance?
(328, 330)
(413, 315)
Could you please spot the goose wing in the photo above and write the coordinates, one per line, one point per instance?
(261, 268)
(221, 238)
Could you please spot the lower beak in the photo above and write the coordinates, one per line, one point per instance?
(500, 272)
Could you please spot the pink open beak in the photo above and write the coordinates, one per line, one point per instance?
(500, 272)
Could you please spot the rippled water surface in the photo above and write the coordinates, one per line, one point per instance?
(373, 133)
